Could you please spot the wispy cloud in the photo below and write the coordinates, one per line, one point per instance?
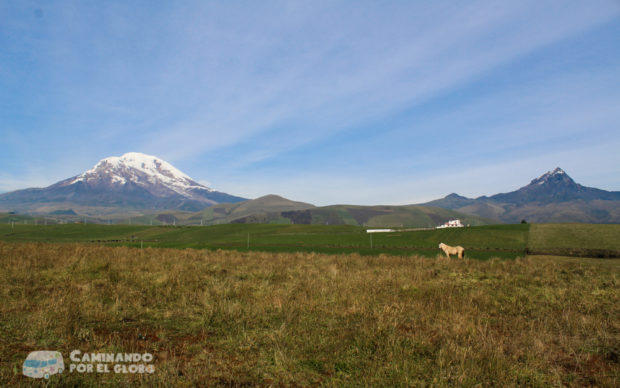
(234, 90)
(347, 78)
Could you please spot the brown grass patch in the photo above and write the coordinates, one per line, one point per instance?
(234, 319)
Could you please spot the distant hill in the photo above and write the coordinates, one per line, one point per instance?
(260, 210)
(552, 197)
(68, 212)
(275, 209)
(411, 216)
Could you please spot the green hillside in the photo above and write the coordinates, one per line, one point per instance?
(7, 218)
(411, 216)
(265, 209)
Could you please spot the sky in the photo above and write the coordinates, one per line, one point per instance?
(327, 102)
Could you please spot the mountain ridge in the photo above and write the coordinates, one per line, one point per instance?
(138, 184)
(552, 197)
(276, 209)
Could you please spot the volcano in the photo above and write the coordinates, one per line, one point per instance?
(133, 181)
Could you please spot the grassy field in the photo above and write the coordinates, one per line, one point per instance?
(483, 242)
(228, 318)
(575, 239)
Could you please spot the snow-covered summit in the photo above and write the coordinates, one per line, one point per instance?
(118, 184)
(556, 171)
(557, 175)
(142, 170)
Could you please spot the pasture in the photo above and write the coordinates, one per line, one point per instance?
(482, 242)
(313, 305)
(229, 318)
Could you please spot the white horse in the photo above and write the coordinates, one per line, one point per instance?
(448, 250)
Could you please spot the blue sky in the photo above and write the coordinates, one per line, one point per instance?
(363, 102)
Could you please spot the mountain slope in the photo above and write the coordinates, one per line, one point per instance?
(131, 181)
(410, 216)
(264, 209)
(552, 187)
(552, 197)
(284, 211)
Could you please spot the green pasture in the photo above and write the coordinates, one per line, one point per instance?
(575, 239)
(507, 241)
(481, 242)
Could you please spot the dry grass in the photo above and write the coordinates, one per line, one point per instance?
(233, 319)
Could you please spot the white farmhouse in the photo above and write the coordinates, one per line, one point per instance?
(451, 224)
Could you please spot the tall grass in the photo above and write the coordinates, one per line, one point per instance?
(227, 318)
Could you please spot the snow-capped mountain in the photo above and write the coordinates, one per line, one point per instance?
(158, 176)
(131, 181)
